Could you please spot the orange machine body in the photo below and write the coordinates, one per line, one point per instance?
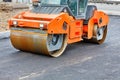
(61, 23)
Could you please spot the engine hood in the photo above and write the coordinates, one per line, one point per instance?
(43, 12)
(36, 16)
(51, 9)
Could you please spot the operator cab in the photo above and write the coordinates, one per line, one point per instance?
(76, 8)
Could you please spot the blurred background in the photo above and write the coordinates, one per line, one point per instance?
(30, 1)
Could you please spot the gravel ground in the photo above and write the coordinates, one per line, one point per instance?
(5, 16)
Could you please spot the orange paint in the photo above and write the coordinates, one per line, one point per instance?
(54, 24)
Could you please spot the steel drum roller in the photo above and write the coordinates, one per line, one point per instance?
(37, 41)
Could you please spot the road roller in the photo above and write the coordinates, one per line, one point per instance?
(51, 25)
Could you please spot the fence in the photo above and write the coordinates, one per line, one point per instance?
(17, 1)
(22, 1)
(106, 1)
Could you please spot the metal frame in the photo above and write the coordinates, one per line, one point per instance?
(82, 15)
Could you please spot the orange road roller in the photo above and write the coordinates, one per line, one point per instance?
(53, 24)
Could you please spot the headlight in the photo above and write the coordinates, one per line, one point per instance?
(41, 26)
(15, 23)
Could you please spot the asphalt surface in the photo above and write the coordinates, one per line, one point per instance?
(80, 61)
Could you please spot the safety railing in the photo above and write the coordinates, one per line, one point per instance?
(105, 1)
(17, 1)
(22, 1)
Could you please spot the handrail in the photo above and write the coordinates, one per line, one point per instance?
(103, 1)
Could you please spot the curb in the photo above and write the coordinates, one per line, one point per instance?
(5, 35)
(112, 12)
